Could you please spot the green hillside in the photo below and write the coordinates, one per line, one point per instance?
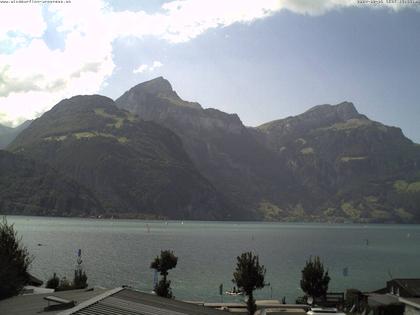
(134, 168)
(33, 188)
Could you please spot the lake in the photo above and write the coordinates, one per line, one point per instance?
(119, 252)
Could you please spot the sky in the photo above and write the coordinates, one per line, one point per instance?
(264, 60)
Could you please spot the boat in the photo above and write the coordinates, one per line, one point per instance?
(323, 311)
(234, 293)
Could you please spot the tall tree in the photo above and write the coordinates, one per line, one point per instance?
(162, 264)
(14, 262)
(315, 279)
(80, 279)
(249, 275)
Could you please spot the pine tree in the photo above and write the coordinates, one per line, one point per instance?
(14, 262)
(162, 264)
(249, 275)
(314, 279)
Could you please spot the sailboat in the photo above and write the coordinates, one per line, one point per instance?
(234, 292)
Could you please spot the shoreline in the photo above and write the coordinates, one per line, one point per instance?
(160, 219)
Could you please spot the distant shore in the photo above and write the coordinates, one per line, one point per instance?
(143, 216)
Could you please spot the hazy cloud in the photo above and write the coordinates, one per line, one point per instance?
(10, 84)
(144, 67)
(88, 67)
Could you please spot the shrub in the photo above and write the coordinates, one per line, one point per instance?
(80, 279)
(53, 282)
(14, 262)
(65, 285)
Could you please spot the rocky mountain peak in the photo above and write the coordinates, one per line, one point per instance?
(154, 93)
(340, 112)
(316, 117)
(157, 86)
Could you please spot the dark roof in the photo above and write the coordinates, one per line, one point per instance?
(33, 304)
(131, 302)
(382, 299)
(381, 291)
(34, 281)
(412, 286)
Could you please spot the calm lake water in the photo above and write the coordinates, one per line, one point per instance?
(118, 252)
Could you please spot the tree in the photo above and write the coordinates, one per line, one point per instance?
(162, 264)
(53, 282)
(314, 279)
(80, 279)
(14, 262)
(249, 275)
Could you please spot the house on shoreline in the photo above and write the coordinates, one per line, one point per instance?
(399, 297)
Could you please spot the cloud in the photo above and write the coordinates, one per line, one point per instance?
(318, 7)
(34, 77)
(88, 67)
(21, 21)
(10, 84)
(144, 67)
(141, 69)
(183, 20)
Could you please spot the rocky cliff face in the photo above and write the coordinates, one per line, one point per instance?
(330, 158)
(339, 135)
(155, 100)
(219, 144)
(342, 157)
(134, 168)
(277, 133)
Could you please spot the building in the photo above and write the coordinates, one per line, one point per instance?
(412, 306)
(125, 301)
(404, 287)
(35, 304)
(389, 300)
(384, 304)
(129, 301)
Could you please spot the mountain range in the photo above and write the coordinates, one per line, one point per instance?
(8, 134)
(150, 154)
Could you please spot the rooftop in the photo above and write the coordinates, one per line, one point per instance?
(415, 302)
(128, 301)
(376, 299)
(34, 304)
(410, 285)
